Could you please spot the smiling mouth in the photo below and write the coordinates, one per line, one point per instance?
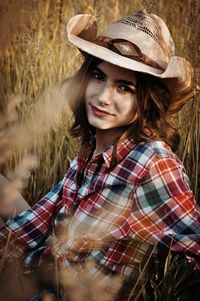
(99, 112)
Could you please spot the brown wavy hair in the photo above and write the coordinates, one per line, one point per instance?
(153, 103)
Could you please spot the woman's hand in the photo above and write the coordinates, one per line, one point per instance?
(11, 201)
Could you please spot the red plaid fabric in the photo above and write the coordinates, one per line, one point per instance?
(119, 218)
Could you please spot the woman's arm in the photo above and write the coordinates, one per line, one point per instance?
(29, 230)
(165, 210)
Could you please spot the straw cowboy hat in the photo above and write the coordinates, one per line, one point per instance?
(140, 42)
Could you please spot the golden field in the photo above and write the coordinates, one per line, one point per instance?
(35, 58)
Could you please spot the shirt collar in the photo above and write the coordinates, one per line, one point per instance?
(123, 148)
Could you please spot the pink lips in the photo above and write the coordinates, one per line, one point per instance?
(98, 112)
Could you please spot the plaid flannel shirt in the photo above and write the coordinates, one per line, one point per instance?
(119, 218)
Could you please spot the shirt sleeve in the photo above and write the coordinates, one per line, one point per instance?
(29, 230)
(164, 209)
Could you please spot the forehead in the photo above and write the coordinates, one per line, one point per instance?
(116, 72)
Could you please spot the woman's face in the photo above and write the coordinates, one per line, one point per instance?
(110, 96)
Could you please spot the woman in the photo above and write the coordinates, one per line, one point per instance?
(125, 200)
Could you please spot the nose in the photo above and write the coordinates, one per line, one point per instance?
(105, 94)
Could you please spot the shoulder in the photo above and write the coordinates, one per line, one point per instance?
(163, 156)
(155, 155)
(149, 151)
(141, 158)
(163, 165)
(152, 151)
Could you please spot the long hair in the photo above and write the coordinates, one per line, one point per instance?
(153, 103)
(77, 84)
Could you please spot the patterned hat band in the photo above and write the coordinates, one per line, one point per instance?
(127, 49)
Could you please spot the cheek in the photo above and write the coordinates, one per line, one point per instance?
(87, 92)
(91, 90)
(128, 106)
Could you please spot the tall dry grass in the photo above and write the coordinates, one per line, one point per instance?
(35, 147)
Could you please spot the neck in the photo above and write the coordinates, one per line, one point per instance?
(104, 138)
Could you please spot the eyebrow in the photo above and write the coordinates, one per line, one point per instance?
(121, 81)
(125, 82)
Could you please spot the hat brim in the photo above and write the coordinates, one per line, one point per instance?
(178, 76)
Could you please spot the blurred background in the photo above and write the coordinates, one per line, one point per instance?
(35, 58)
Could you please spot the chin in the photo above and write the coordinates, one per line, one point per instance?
(97, 125)
(100, 127)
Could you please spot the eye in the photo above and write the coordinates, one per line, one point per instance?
(95, 74)
(126, 89)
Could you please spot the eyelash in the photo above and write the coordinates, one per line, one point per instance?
(97, 75)
(125, 89)
(100, 77)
